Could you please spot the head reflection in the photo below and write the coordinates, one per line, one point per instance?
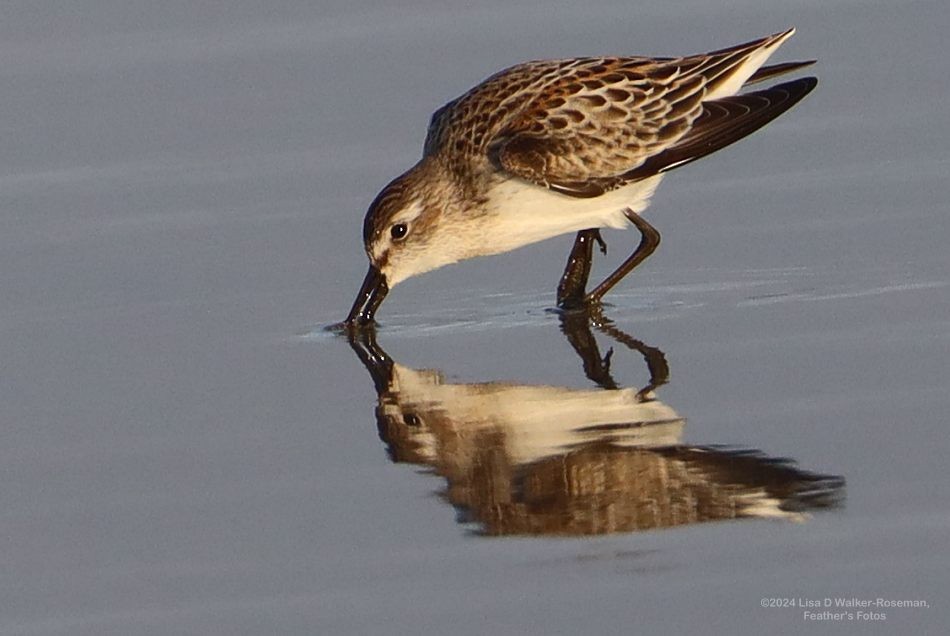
(524, 459)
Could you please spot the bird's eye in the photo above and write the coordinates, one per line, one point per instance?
(399, 231)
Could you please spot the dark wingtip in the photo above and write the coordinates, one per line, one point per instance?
(725, 121)
(768, 72)
(800, 87)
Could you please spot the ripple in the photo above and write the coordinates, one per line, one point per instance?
(678, 292)
(772, 299)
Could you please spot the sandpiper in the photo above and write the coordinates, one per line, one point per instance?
(559, 146)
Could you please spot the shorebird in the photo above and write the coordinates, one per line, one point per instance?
(560, 146)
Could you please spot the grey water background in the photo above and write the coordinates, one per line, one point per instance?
(184, 452)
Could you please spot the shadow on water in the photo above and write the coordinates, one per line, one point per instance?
(547, 460)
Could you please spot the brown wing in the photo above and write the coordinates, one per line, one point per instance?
(585, 133)
(600, 127)
(723, 122)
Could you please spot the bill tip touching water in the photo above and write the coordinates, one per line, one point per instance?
(563, 146)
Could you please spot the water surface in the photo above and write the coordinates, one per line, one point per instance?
(185, 451)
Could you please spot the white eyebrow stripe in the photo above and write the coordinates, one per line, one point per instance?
(410, 213)
(407, 215)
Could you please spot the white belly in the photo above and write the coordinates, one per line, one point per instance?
(522, 213)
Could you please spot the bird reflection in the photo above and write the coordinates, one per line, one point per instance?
(524, 459)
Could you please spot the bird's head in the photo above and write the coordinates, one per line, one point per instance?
(404, 235)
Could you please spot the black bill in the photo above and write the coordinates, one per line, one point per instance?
(370, 297)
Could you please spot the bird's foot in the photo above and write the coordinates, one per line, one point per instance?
(580, 303)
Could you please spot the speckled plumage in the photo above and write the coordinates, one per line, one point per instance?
(556, 146)
(575, 123)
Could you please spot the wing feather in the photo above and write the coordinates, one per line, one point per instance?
(774, 70)
(597, 121)
(723, 122)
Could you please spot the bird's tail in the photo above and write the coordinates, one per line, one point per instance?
(726, 71)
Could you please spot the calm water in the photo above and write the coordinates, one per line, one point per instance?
(185, 451)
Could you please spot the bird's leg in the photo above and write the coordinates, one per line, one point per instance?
(571, 289)
(649, 239)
